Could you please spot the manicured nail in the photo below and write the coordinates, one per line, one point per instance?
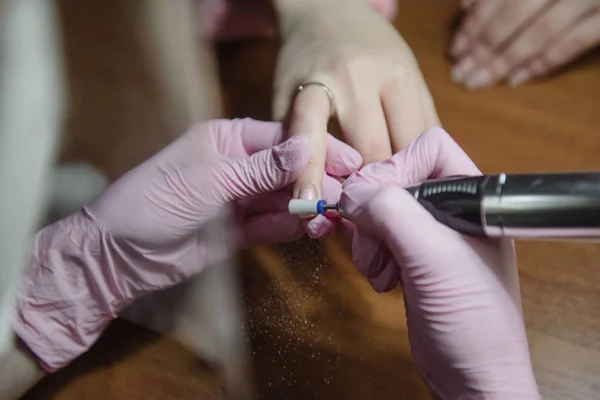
(459, 45)
(519, 77)
(462, 69)
(480, 78)
(307, 192)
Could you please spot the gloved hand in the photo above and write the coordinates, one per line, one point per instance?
(462, 297)
(161, 223)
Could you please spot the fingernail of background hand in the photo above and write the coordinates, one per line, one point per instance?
(519, 77)
(480, 78)
(462, 69)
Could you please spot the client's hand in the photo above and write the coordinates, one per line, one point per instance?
(212, 191)
(518, 40)
(462, 297)
(381, 100)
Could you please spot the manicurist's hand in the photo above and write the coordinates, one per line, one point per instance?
(221, 186)
(461, 294)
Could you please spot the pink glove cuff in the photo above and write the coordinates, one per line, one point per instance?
(67, 296)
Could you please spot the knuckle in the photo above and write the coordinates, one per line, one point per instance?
(349, 61)
(357, 64)
(526, 46)
(385, 201)
(404, 74)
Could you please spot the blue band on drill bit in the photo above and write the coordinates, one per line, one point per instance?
(321, 206)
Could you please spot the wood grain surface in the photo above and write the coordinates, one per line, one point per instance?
(317, 330)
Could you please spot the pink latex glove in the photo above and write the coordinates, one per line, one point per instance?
(161, 223)
(462, 297)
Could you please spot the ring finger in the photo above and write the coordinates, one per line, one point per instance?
(309, 117)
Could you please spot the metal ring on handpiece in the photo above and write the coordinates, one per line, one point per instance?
(327, 91)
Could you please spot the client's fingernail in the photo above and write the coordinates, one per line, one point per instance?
(481, 77)
(459, 45)
(307, 192)
(519, 77)
(462, 69)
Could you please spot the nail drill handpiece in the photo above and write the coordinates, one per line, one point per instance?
(559, 205)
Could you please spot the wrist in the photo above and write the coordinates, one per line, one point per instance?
(69, 293)
(286, 8)
(291, 13)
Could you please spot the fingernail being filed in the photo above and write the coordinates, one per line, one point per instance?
(307, 192)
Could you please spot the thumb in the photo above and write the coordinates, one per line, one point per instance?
(380, 231)
(396, 217)
(267, 171)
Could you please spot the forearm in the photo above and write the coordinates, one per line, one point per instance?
(19, 371)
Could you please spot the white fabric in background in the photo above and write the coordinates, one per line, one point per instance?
(31, 112)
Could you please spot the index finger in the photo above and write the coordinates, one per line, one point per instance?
(433, 155)
(238, 138)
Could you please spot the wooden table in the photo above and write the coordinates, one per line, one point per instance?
(317, 329)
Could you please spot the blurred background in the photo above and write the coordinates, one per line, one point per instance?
(314, 328)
